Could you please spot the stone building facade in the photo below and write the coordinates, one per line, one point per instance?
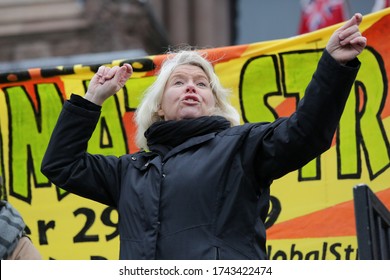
(37, 29)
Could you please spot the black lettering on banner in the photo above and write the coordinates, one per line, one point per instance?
(27, 230)
(43, 227)
(98, 258)
(53, 72)
(82, 235)
(324, 252)
(141, 64)
(18, 76)
(275, 209)
(279, 255)
(333, 250)
(348, 251)
(296, 254)
(106, 220)
(312, 255)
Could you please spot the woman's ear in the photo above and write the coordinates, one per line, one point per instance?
(160, 112)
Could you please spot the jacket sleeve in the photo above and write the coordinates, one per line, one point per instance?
(66, 162)
(289, 143)
(25, 250)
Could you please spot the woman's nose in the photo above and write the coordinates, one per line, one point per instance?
(190, 88)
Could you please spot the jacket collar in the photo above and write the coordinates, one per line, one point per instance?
(143, 159)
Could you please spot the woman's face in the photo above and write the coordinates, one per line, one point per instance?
(187, 94)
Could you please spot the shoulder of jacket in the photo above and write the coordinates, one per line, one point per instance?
(242, 129)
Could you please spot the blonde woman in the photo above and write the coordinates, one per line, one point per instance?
(199, 186)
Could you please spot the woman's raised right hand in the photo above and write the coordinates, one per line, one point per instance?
(107, 81)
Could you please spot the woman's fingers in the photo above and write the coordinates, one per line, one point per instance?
(350, 38)
(110, 72)
(353, 21)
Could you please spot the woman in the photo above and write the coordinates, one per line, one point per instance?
(199, 187)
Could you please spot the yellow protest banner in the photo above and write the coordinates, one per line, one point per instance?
(311, 216)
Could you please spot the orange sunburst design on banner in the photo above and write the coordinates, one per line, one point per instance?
(324, 223)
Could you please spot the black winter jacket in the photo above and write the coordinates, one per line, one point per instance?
(208, 197)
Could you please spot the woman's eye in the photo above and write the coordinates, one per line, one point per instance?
(202, 84)
(178, 83)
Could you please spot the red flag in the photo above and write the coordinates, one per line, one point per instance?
(380, 4)
(318, 14)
